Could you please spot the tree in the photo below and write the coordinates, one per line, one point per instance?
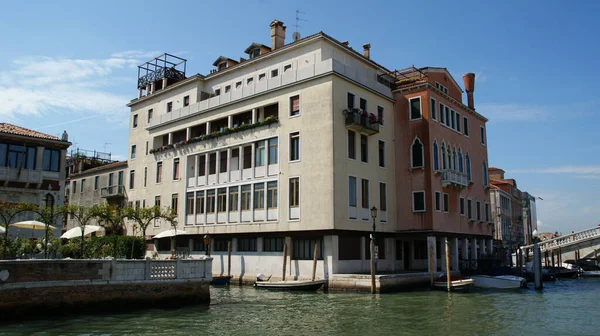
(171, 216)
(8, 212)
(83, 216)
(48, 216)
(143, 216)
(113, 216)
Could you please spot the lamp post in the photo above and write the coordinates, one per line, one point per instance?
(537, 261)
(207, 244)
(373, 215)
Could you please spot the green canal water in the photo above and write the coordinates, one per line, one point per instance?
(568, 307)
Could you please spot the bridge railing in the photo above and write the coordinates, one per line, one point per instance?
(572, 238)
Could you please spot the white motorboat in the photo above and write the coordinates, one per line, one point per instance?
(300, 285)
(499, 282)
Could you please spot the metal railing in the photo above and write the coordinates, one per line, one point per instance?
(112, 191)
(361, 122)
(454, 177)
(566, 240)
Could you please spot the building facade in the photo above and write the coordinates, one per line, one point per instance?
(293, 146)
(32, 169)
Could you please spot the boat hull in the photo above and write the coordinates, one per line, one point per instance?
(290, 285)
(499, 282)
(221, 280)
(463, 285)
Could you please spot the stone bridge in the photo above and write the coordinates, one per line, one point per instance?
(587, 242)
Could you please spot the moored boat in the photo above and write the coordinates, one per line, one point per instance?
(499, 282)
(221, 280)
(457, 283)
(297, 285)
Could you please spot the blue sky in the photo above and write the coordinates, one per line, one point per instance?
(71, 65)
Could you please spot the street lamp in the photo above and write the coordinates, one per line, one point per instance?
(373, 215)
(207, 244)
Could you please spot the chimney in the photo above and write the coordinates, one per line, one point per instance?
(367, 50)
(345, 43)
(277, 34)
(469, 80)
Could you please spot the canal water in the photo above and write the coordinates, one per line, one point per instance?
(568, 307)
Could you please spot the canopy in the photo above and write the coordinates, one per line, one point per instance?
(76, 231)
(33, 225)
(169, 233)
(2, 229)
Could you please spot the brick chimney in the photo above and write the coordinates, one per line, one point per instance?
(277, 34)
(367, 50)
(469, 80)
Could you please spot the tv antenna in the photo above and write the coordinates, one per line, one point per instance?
(106, 145)
(296, 35)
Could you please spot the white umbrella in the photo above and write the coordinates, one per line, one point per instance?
(2, 229)
(33, 225)
(169, 233)
(76, 231)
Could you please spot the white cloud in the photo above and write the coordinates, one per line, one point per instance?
(539, 223)
(580, 172)
(513, 112)
(480, 77)
(139, 54)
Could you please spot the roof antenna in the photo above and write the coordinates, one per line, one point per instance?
(296, 35)
(106, 145)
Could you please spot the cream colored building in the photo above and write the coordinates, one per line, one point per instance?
(274, 169)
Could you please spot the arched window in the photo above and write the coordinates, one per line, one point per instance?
(468, 164)
(49, 200)
(485, 174)
(454, 166)
(444, 161)
(416, 154)
(436, 158)
(461, 167)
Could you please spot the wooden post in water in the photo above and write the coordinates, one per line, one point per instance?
(284, 260)
(559, 257)
(431, 270)
(372, 249)
(229, 257)
(553, 258)
(314, 273)
(448, 271)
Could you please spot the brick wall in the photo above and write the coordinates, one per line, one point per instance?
(55, 270)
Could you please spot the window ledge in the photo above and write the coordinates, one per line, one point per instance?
(416, 168)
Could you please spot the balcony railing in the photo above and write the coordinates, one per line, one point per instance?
(361, 121)
(24, 175)
(453, 177)
(113, 191)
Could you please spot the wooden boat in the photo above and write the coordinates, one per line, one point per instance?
(457, 283)
(292, 285)
(499, 282)
(221, 280)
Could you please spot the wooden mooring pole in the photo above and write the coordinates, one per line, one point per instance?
(229, 258)
(431, 270)
(314, 271)
(284, 260)
(448, 271)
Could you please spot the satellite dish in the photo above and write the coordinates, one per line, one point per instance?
(296, 36)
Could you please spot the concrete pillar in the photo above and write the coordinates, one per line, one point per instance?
(431, 254)
(465, 248)
(443, 254)
(140, 92)
(490, 246)
(454, 254)
(188, 133)
(473, 255)
(164, 83)
(230, 121)
(208, 127)
(152, 88)
(170, 138)
(39, 158)
(148, 91)
(254, 115)
(482, 247)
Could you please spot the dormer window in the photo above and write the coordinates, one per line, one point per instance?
(255, 52)
(222, 65)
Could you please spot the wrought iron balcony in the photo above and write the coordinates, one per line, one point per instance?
(113, 191)
(361, 121)
(454, 178)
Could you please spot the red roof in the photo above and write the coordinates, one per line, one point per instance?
(18, 130)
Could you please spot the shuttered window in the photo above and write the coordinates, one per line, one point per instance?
(295, 105)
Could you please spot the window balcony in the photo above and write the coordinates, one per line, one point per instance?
(112, 191)
(454, 178)
(361, 121)
(20, 175)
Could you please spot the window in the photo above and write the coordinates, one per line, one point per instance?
(468, 164)
(74, 190)
(212, 163)
(246, 192)
(222, 200)
(303, 249)
(259, 196)
(146, 147)
(186, 101)
(131, 179)
(487, 212)
(238, 85)
(442, 115)
(461, 167)
(217, 92)
(436, 158)
(272, 151)
(222, 65)
(150, 111)
(272, 195)
(484, 172)
(176, 169)
(380, 114)
(438, 202)
(364, 190)
(415, 108)
(478, 210)
(349, 248)
(418, 201)
(133, 148)
(350, 100)
(352, 191)
(273, 244)
(462, 206)
(469, 209)
(174, 203)
(233, 198)
(223, 162)
(120, 178)
(261, 76)
(482, 133)
(110, 179)
(453, 119)
(441, 87)
(447, 116)
(363, 104)
(466, 124)
(202, 165)
(274, 73)
(210, 201)
(295, 146)
(259, 154)
(198, 245)
(416, 151)
(364, 148)
(287, 67)
(158, 172)
(432, 109)
(420, 249)
(50, 159)
(96, 182)
(295, 105)
(227, 88)
(189, 204)
(220, 245)
(82, 186)
(135, 120)
(446, 202)
(382, 197)
(351, 145)
(458, 121)
(249, 80)
(145, 176)
(15, 156)
(294, 192)
(169, 107)
(381, 153)
(246, 244)
(255, 53)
